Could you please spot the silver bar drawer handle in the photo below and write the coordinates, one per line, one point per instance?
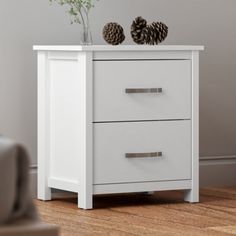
(142, 155)
(143, 90)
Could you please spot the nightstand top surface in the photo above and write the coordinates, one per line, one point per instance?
(118, 48)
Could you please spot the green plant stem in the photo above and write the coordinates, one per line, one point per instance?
(86, 13)
(82, 17)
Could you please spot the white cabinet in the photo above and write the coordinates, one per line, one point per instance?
(117, 119)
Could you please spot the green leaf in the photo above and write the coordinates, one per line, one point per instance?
(77, 8)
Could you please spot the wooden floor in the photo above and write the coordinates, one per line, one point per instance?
(164, 213)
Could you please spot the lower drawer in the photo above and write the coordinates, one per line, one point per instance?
(142, 151)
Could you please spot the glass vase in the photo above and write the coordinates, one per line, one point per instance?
(86, 36)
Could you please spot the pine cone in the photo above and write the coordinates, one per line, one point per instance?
(136, 30)
(151, 35)
(148, 34)
(113, 33)
(162, 30)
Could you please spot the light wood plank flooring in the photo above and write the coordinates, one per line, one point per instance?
(163, 213)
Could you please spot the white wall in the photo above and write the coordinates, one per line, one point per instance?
(208, 22)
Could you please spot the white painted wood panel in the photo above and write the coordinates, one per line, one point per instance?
(192, 195)
(44, 191)
(145, 55)
(142, 187)
(113, 140)
(64, 126)
(112, 103)
(85, 123)
(127, 48)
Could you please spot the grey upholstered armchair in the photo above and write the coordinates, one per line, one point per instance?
(18, 215)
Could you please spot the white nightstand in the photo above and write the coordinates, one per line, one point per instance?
(114, 119)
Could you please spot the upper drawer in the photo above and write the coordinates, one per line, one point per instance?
(157, 89)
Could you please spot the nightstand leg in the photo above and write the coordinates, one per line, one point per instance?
(44, 192)
(192, 195)
(45, 195)
(149, 193)
(85, 201)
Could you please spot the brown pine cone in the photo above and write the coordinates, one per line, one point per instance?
(136, 30)
(148, 34)
(113, 33)
(151, 35)
(162, 30)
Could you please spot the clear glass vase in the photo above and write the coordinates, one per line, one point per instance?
(86, 36)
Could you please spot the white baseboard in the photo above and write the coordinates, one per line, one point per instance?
(214, 171)
(33, 180)
(218, 158)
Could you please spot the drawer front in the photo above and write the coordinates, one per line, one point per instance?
(142, 90)
(142, 151)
